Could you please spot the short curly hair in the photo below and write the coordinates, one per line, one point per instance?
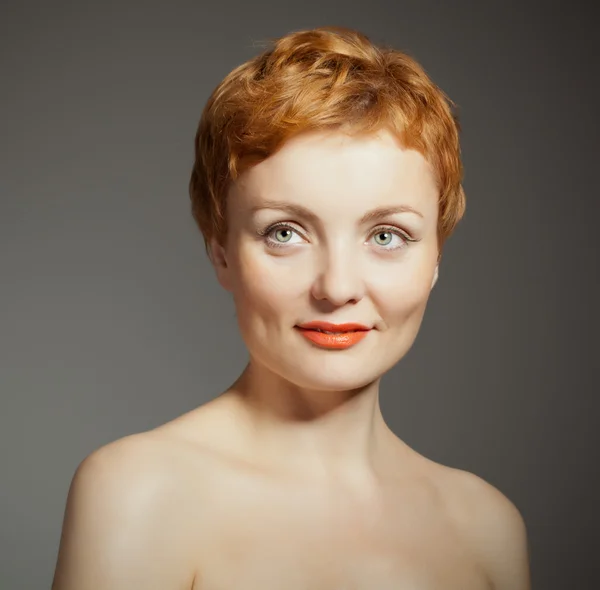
(328, 78)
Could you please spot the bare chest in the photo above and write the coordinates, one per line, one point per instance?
(308, 545)
(318, 566)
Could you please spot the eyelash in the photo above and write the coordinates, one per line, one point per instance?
(379, 229)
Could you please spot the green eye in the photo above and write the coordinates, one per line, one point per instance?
(284, 233)
(384, 237)
(387, 238)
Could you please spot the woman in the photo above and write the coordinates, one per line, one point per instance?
(327, 179)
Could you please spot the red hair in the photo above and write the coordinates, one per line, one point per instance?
(322, 79)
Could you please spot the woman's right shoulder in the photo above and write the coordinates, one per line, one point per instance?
(123, 474)
(137, 464)
(159, 465)
(130, 457)
(126, 500)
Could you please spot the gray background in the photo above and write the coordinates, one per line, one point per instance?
(111, 320)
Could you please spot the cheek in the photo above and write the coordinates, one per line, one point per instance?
(264, 284)
(403, 292)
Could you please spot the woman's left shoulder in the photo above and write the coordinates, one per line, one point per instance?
(490, 523)
(480, 501)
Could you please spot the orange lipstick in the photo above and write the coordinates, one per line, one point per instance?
(333, 336)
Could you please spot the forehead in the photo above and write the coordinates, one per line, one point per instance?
(334, 170)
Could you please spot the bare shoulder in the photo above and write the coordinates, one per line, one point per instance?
(124, 508)
(136, 470)
(138, 464)
(491, 524)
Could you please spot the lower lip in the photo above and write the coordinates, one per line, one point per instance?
(337, 341)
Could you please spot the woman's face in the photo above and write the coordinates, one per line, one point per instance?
(331, 228)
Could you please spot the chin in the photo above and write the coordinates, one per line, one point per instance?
(332, 383)
(330, 370)
(334, 372)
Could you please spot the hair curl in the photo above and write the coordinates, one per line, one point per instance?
(322, 79)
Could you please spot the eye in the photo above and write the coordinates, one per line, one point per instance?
(279, 235)
(384, 238)
(390, 238)
(283, 234)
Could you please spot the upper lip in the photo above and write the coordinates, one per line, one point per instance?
(329, 327)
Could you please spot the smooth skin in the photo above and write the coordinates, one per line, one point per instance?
(291, 478)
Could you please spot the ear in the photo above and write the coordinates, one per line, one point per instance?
(435, 275)
(218, 258)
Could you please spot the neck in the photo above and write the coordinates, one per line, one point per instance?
(321, 435)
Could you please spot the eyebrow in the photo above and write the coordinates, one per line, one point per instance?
(300, 211)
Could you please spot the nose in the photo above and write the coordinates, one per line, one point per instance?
(339, 278)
